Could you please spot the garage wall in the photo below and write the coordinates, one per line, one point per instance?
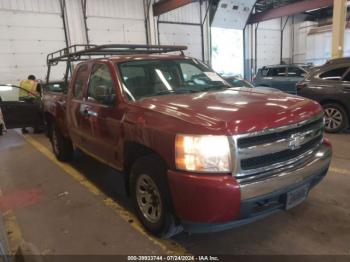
(182, 27)
(29, 29)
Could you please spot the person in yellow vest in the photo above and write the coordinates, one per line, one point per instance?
(30, 85)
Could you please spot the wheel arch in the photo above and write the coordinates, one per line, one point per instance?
(132, 151)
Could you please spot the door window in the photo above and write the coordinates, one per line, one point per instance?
(347, 77)
(10, 93)
(277, 72)
(295, 72)
(101, 89)
(334, 74)
(80, 81)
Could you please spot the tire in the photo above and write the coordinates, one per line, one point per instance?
(336, 118)
(61, 146)
(149, 188)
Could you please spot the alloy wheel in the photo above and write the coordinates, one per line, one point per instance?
(333, 118)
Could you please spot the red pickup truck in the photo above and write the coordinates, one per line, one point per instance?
(196, 153)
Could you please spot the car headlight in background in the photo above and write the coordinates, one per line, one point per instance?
(202, 153)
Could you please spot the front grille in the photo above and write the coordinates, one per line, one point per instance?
(271, 137)
(263, 152)
(269, 159)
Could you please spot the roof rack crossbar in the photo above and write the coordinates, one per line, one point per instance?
(83, 52)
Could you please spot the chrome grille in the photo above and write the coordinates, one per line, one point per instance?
(267, 152)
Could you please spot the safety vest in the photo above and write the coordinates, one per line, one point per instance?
(29, 85)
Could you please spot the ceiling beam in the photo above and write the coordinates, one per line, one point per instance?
(164, 6)
(290, 9)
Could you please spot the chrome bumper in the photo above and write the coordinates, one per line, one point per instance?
(319, 162)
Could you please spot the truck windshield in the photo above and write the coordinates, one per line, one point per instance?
(148, 78)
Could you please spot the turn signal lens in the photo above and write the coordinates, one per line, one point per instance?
(202, 153)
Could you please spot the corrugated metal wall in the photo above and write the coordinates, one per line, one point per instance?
(29, 29)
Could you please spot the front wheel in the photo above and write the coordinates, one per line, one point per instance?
(151, 198)
(61, 146)
(336, 119)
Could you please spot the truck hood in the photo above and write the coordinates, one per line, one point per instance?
(234, 110)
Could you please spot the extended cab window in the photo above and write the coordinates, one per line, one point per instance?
(101, 89)
(347, 77)
(334, 74)
(277, 71)
(80, 81)
(148, 78)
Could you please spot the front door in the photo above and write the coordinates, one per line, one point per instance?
(101, 115)
(20, 112)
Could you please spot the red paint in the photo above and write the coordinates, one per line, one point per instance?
(204, 198)
(19, 199)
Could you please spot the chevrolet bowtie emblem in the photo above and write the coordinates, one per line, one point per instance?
(295, 141)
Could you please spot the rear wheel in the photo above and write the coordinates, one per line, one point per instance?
(151, 199)
(61, 146)
(336, 119)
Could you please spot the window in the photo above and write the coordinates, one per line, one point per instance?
(164, 77)
(295, 72)
(277, 71)
(264, 71)
(334, 74)
(80, 81)
(57, 87)
(101, 87)
(347, 77)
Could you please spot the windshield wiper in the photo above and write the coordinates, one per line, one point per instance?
(164, 92)
(218, 87)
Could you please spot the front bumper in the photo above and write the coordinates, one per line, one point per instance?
(207, 203)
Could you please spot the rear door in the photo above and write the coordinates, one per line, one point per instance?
(75, 118)
(295, 75)
(20, 112)
(277, 78)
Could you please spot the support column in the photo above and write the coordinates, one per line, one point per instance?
(339, 16)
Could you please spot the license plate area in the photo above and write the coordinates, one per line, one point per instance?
(296, 196)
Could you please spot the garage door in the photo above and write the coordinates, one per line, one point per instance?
(180, 34)
(25, 39)
(117, 22)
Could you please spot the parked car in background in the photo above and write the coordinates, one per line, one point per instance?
(330, 86)
(20, 112)
(2, 124)
(235, 81)
(282, 77)
(195, 152)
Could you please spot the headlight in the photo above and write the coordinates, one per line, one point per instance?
(202, 153)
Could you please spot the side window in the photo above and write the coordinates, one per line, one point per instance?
(347, 77)
(295, 72)
(334, 74)
(101, 89)
(277, 71)
(79, 81)
(264, 71)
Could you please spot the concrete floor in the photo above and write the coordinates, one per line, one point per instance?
(81, 208)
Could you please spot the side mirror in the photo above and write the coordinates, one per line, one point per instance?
(103, 95)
